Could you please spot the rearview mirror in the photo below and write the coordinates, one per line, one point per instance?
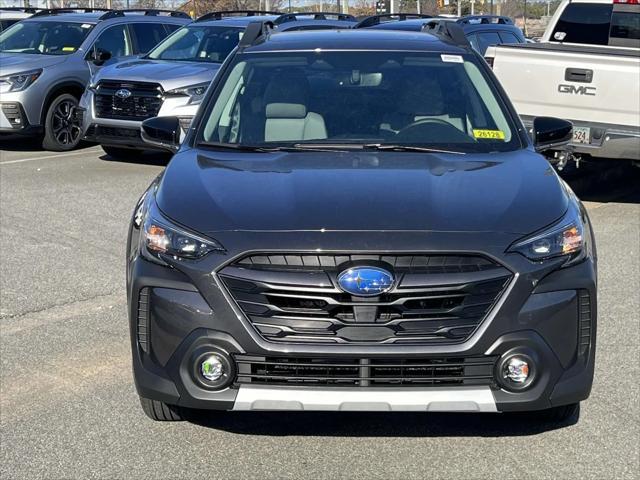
(551, 132)
(162, 132)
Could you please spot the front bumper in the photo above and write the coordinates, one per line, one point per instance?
(126, 133)
(13, 119)
(20, 112)
(539, 315)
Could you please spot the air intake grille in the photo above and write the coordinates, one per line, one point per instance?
(584, 318)
(143, 320)
(295, 298)
(365, 372)
(144, 101)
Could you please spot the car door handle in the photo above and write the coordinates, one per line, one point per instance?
(582, 75)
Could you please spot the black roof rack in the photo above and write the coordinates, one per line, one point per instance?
(219, 15)
(58, 11)
(256, 32)
(146, 11)
(469, 19)
(449, 32)
(292, 17)
(388, 17)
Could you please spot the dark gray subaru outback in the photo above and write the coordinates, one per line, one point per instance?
(357, 220)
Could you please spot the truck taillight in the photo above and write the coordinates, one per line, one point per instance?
(628, 2)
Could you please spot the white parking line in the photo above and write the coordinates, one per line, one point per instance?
(22, 160)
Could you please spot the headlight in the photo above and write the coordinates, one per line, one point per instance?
(565, 239)
(161, 239)
(18, 81)
(196, 92)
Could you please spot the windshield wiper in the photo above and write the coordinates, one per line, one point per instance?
(406, 148)
(260, 148)
(371, 146)
(321, 147)
(236, 146)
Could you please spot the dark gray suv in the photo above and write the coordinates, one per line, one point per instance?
(358, 220)
(47, 61)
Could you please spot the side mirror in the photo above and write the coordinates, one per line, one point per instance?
(99, 56)
(550, 132)
(162, 132)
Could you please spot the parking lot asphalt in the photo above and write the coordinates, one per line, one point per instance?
(68, 407)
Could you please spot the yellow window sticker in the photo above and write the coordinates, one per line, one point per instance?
(68, 49)
(489, 134)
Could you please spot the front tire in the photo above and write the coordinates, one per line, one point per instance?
(160, 411)
(62, 129)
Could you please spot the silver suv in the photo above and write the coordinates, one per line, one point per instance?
(171, 79)
(176, 73)
(48, 59)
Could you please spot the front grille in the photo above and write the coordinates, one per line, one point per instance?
(365, 372)
(144, 102)
(295, 298)
(118, 133)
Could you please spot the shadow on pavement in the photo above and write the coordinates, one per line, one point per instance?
(19, 143)
(383, 424)
(142, 158)
(605, 181)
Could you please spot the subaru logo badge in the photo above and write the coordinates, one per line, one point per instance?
(123, 93)
(365, 281)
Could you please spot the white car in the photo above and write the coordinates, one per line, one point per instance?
(11, 15)
(585, 69)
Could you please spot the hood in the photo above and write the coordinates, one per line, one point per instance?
(516, 192)
(169, 74)
(22, 62)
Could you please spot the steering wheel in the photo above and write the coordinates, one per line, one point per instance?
(439, 130)
(423, 121)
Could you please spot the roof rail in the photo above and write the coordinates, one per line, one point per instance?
(256, 32)
(58, 11)
(146, 11)
(292, 17)
(388, 17)
(469, 19)
(219, 15)
(449, 32)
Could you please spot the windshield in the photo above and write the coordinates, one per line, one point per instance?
(198, 44)
(358, 100)
(48, 38)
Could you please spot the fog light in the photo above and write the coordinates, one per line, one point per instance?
(516, 370)
(212, 368)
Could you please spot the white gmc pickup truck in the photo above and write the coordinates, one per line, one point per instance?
(586, 69)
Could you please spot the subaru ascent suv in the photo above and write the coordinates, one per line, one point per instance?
(46, 62)
(357, 220)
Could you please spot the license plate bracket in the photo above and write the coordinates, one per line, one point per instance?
(581, 135)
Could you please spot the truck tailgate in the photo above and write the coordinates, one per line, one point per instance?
(588, 84)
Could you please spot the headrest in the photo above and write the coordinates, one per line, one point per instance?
(286, 110)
